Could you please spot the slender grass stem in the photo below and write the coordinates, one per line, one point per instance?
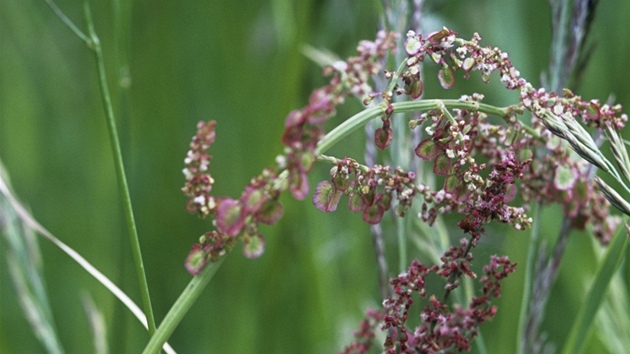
(528, 277)
(181, 306)
(122, 13)
(560, 14)
(358, 120)
(53, 6)
(95, 45)
(389, 91)
(401, 236)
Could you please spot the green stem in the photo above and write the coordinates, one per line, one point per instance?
(358, 120)
(529, 275)
(389, 91)
(67, 21)
(181, 306)
(402, 244)
(561, 11)
(95, 44)
(122, 89)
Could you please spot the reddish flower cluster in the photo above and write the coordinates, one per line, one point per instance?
(453, 144)
(238, 219)
(441, 329)
(198, 186)
(490, 202)
(569, 105)
(212, 245)
(553, 177)
(304, 128)
(452, 148)
(556, 177)
(365, 336)
(370, 190)
(258, 204)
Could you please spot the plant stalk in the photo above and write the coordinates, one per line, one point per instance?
(95, 44)
(181, 307)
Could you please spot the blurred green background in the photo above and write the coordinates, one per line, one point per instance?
(171, 64)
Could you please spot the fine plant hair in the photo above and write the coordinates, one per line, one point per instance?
(464, 159)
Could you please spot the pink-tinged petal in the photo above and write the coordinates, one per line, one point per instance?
(427, 149)
(340, 181)
(252, 199)
(306, 161)
(446, 77)
(230, 217)
(373, 214)
(369, 197)
(356, 203)
(452, 184)
(326, 197)
(592, 111)
(412, 45)
(298, 184)
(270, 212)
(442, 165)
(414, 88)
(294, 119)
(436, 57)
(553, 143)
(385, 201)
(564, 178)
(510, 193)
(469, 64)
(436, 37)
(321, 105)
(253, 246)
(581, 191)
(196, 260)
(401, 209)
(383, 137)
(292, 135)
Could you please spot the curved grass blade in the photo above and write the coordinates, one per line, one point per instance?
(31, 223)
(595, 297)
(24, 265)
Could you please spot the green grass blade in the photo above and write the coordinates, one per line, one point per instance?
(123, 186)
(595, 297)
(97, 324)
(26, 274)
(31, 223)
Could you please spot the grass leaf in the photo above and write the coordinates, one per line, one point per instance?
(595, 297)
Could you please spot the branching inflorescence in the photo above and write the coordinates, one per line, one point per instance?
(484, 164)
